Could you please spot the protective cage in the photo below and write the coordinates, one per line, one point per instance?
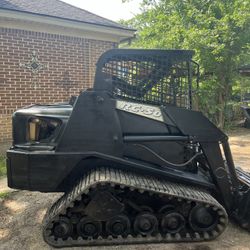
(156, 77)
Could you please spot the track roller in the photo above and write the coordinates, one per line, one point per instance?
(145, 223)
(63, 228)
(118, 225)
(89, 228)
(172, 222)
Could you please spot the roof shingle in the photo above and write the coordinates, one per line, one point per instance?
(59, 9)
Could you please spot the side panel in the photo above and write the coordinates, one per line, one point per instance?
(93, 126)
(171, 151)
(39, 171)
(135, 124)
(138, 125)
(51, 172)
(18, 177)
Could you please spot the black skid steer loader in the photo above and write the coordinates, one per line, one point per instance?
(135, 162)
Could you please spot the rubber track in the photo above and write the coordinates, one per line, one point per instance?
(141, 183)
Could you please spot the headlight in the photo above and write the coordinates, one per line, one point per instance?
(41, 129)
(33, 129)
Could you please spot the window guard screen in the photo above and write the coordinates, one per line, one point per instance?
(153, 79)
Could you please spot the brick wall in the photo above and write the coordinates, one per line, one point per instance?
(70, 68)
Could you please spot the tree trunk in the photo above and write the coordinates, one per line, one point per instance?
(221, 112)
(224, 94)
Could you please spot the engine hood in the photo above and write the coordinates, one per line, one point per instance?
(56, 110)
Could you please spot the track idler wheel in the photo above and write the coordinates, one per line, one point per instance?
(172, 222)
(89, 228)
(118, 225)
(145, 223)
(203, 219)
(63, 228)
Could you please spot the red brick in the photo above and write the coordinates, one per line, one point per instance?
(68, 58)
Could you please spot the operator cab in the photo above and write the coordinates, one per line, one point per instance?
(157, 77)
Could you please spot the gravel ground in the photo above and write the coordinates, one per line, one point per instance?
(22, 212)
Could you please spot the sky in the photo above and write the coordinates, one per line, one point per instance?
(111, 9)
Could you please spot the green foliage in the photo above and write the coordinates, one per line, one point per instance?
(4, 195)
(218, 31)
(2, 166)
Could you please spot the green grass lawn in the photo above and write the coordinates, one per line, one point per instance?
(2, 166)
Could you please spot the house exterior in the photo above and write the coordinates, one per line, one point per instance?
(48, 51)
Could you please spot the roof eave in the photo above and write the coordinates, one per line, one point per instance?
(123, 33)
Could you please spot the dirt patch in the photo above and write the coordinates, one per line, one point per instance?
(240, 146)
(3, 185)
(22, 212)
(4, 147)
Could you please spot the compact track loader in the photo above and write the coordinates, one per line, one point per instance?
(135, 162)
